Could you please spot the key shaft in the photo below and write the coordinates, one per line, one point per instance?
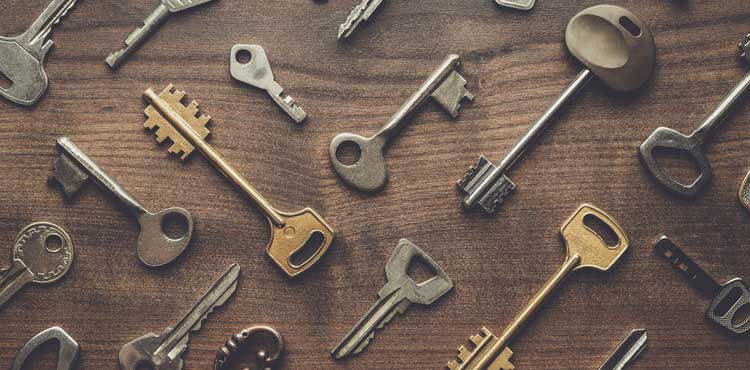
(627, 351)
(13, 279)
(136, 38)
(726, 107)
(666, 248)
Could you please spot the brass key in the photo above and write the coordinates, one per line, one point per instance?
(585, 249)
(290, 232)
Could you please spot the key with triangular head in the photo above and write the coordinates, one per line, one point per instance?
(67, 354)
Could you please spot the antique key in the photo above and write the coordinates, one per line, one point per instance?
(517, 4)
(361, 12)
(42, 254)
(155, 248)
(67, 354)
(257, 72)
(395, 297)
(22, 57)
(265, 359)
(150, 25)
(627, 351)
(290, 232)
(584, 249)
(614, 45)
(370, 172)
(667, 138)
(727, 299)
(164, 351)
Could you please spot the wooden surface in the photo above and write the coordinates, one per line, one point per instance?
(515, 63)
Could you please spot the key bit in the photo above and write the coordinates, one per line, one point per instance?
(67, 354)
(517, 4)
(164, 130)
(361, 12)
(627, 351)
(481, 343)
(68, 175)
(500, 188)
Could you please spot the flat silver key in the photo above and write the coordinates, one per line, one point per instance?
(155, 248)
(627, 351)
(164, 351)
(361, 12)
(257, 72)
(42, 254)
(150, 25)
(22, 57)
(369, 172)
(396, 296)
(517, 4)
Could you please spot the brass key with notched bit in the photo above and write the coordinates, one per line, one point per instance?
(585, 249)
(290, 232)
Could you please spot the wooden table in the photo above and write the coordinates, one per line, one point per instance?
(516, 64)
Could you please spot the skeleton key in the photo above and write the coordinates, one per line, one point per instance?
(361, 12)
(150, 25)
(395, 297)
(67, 355)
(370, 172)
(728, 299)
(42, 254)
(164, 351)
(517, 4)
(22, 57)
(257, 72)
(614, 45)
(290, 232)
(667, 138)
(155, 248)
(584, 249)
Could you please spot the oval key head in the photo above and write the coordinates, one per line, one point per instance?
(667, 138)
(582, 240)
(397, 272)
(155, 247)
(369, 172)
(300, 243)
(46, 250)
(614, 44)
(256, 71)
(67, 353)
(725, 309)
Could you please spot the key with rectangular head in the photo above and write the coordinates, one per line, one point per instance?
(395, 297)
(361, 12)
(164, 351)
(585, 249)
(22, 57)
(42, 254)
(613, 44)
(257, 72)
(155, 248)
(291, 232)
(727, 299)
(67, 354)
(136, 38)
(517, 4)
(370, 172)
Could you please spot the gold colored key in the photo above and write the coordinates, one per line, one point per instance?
(292, 234)
(585, 249)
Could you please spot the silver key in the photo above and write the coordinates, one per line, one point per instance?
(257, 72)
(361, 12)
(22, 57)
(42, 254)
(155, 248)
(396, 296)
(627, 351)
(517, 4)
(164, 351)
(150, 25)
(370, 172)
(67, 354)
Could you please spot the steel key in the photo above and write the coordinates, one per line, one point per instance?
(67, 354)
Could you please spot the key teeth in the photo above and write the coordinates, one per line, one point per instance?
(496, 194)
(451, 92)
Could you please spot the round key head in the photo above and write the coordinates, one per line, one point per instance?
(249, 64)
(369, 172)
(156, 245)
(582, 239)
(46, 250)
(614, 44)
(301, 242)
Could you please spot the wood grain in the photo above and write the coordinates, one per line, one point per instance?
(516, 63)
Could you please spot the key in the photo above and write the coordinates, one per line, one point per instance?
(291, 233)
(67, 355)
(667, 138)
(22, 57)
(727, 299)
(252, 338)
(164, 351)
(257, 72)
(395, 297)
(517, 4)
(155, 248)
(370, 172)
(585, 249)
(42, 254)
(150, 25)
(361, 12)
(627, 351)
(613, 44)
(744, 193)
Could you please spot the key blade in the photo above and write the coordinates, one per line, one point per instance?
(496, 194)
(590, 248)
(360, 13)
(175, 6)
(36, 37)
(627, 351)
(67, 175)
(666, 248)
(12, 279)
(451, 92)
(168, 105)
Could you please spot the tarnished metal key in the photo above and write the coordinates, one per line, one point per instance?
(155, 248)
(585, 249)
(395, 297)
(292, 234)
(67, 354)
(370, 172)
(150, 25)
(627, 351)
(517, 4)
(361, 12)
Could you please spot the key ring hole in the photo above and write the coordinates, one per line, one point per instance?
(741, 316)
(726, 304)
(599, 227)
(420, 271)
(679, 165)
(308, 250)
(243, 56)
(53, 243)
(348, 153)
(629, 25)
(174, 226)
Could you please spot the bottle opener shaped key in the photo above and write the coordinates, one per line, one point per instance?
(252, 337)
(291, 233)
(370, 172)
(155, 248)
(67, 354)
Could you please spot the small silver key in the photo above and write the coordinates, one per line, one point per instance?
(396, 296)
(42, 254)
(164, 351)
(517, 4)
(627, 351)
(369, 172)
(22, 57)
(150, 25)
(257, 72)
(361, 12)
(155, 248)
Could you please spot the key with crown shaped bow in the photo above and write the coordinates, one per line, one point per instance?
(292, 234)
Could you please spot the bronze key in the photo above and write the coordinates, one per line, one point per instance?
(585, 249)
(290, 232)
